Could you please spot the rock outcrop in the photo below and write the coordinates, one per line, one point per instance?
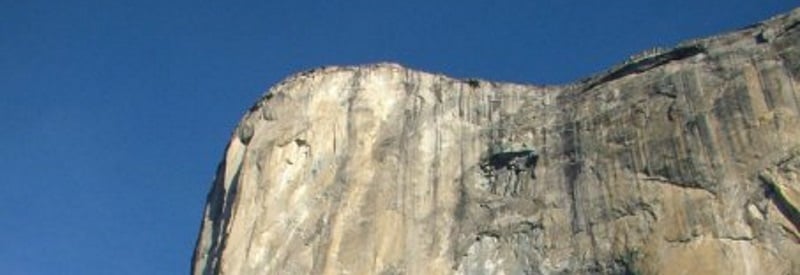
(678, 161)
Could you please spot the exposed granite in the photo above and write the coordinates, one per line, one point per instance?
(678, 161)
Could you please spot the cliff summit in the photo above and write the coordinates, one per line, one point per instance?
(677, 161)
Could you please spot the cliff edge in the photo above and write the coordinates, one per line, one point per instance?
(677, 161)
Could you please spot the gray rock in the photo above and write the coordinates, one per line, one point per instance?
(679, 161)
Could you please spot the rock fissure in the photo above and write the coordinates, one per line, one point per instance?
(647, 62)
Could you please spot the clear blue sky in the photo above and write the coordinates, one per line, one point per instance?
(114, 114)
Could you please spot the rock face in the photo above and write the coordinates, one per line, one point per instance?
(678, 161)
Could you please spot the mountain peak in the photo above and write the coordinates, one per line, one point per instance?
(676, 161)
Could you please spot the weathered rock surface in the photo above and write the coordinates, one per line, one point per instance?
(680, 161)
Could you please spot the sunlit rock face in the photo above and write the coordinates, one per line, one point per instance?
(678, 161)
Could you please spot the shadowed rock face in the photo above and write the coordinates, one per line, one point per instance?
(682, 161)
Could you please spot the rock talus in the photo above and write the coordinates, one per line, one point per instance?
(677, 161)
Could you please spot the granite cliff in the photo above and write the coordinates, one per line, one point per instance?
(677, 161)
